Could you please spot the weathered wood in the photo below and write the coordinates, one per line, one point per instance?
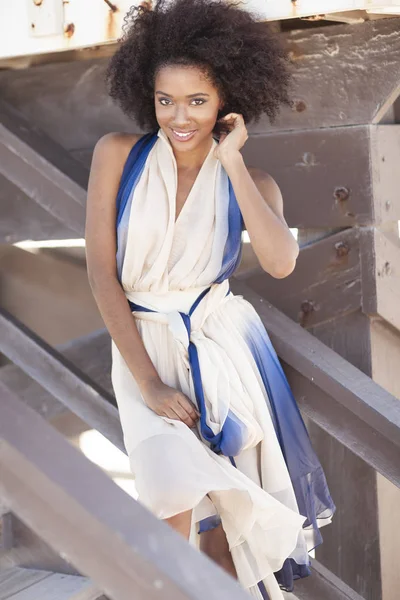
(81, 111)
(38, 178)
(385, 350)
(21, 219)
(129, 551)
(43, 145)
(355, 268)
(385, 172)
(91, 354)
(335, 177)
(324, 368)
(339, 77)
(323, 585)
(15, 579)
(27, 584)
(325, 283)
(387, 272)
(60, 377)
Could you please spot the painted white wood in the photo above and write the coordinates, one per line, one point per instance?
(27, 29)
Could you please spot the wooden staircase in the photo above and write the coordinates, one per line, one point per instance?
(52, 496)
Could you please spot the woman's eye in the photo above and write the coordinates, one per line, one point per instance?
(198, 101)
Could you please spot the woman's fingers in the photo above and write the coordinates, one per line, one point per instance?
(183, 415)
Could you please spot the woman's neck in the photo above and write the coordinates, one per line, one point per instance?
(193, 159)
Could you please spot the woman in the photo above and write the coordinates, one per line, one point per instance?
(215, 440)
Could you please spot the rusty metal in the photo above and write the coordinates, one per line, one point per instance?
(342, 249)
(341, 194)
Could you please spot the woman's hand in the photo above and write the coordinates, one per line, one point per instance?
(233, 136)
(169, 402)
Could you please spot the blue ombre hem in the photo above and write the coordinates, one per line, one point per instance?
(306, 473)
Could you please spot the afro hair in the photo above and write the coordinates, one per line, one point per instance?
(240, 55)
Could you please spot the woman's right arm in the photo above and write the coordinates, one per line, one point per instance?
(109, 157)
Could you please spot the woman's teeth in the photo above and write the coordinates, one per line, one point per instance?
(183, 136)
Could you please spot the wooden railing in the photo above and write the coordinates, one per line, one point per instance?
(108, 536)
(83, 515)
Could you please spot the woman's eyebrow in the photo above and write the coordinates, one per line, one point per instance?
(188, 96)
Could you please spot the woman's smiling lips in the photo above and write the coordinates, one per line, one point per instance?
(183, 136)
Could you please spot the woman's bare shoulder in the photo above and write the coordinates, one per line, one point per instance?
(114, 147)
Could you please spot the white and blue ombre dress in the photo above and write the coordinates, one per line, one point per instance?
(249, 464)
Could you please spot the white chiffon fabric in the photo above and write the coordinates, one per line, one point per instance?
(168, 262)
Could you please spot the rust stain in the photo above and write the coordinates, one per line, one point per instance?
(69, 30)
(112, 26)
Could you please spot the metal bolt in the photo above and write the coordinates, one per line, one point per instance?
(341, 194)
(342, 249)
(300, 106)
(307, 307)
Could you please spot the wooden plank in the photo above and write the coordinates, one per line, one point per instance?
(21, 219)
(56, 586)
(387, 249)
(81, 110)
(15, 579)
(323, 585)
(62, 378)
(39, 179)
(43, 145)
(325, 283)
(90, 354)
(380, 258)
(339, 77)
(315, 362)
(385, 172)
(107, 535)
(335, 177)
(286, 9)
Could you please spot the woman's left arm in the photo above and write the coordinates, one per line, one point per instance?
(261, 204)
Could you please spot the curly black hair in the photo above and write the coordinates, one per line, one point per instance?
(240, 55)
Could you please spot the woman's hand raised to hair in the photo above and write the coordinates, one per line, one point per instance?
(233, 137)
(169, 402)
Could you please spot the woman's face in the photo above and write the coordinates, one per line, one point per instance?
(186, 104)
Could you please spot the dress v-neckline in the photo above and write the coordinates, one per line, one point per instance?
(194, 185)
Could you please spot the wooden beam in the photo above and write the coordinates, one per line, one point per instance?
(339, 76)
(40, 179)
(335, 177)
(21, 219)
(60, 377)
(377, 412)
(102, 531)
(386, 278)
(325, 283)
(91, 354)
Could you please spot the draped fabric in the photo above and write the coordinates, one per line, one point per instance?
(249, 463)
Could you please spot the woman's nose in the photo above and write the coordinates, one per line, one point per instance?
(181, 116)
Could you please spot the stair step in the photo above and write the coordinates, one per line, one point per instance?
(18, 583)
